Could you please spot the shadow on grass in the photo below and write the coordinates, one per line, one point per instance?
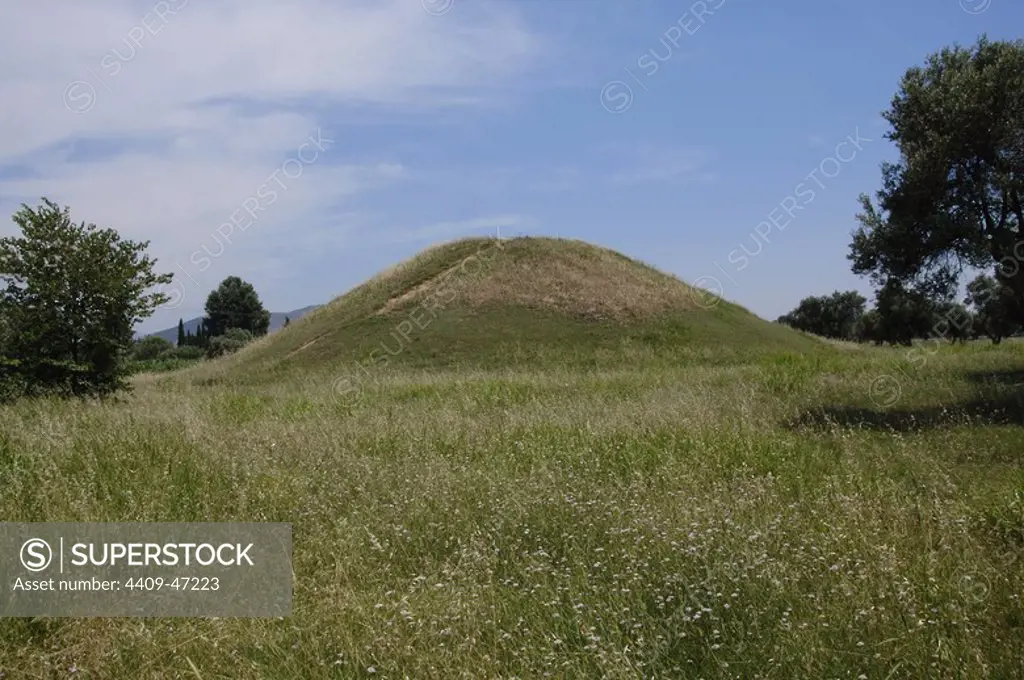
(1007, 377)
(998, 409)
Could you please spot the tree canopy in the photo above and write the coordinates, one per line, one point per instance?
(955, 198)
(71, 298)
(899, 316)
(150, 347)
(903, 314)
(993, 307)
(831, 316)
(235, 304)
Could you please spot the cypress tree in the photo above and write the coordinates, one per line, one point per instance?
(202, 335)
(181, 333)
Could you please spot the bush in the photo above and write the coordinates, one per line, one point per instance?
(150, 347)
(233, 340)
(159, 365)
(61, 378)
(183, 353)
(170, 359)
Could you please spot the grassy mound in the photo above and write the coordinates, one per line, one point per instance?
(488, 303)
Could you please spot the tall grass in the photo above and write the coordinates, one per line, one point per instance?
(767, 519)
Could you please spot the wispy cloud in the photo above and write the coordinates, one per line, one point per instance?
(161, 118)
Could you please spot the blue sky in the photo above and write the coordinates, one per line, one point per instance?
(673, 132)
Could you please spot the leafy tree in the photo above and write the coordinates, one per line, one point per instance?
(181, 333)
(832, 316)
(73, 293)
(235, 304)
(6, 331)
(150, 347)
(953, 322)
(902, 314)
(955, 198)
(994, 308)
(868, 328)
(232, 341)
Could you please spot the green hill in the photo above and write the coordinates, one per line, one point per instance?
(485, 303)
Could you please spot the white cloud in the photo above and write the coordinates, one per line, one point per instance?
(227, 90)
(388, 51)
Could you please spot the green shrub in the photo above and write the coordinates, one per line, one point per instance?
(171, 359)
(185, 353)
(61, 378)
(159, 365)
(233, 340)
(150, 347)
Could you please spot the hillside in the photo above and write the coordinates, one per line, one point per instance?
(276, 322)
(486, 303)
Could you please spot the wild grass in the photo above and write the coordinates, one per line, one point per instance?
(545, 477)
(778, 516)
(160, 364)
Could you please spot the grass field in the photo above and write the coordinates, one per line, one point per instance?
(799, 510)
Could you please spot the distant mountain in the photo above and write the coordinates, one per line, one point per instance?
(277, 318)
(276, 322)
